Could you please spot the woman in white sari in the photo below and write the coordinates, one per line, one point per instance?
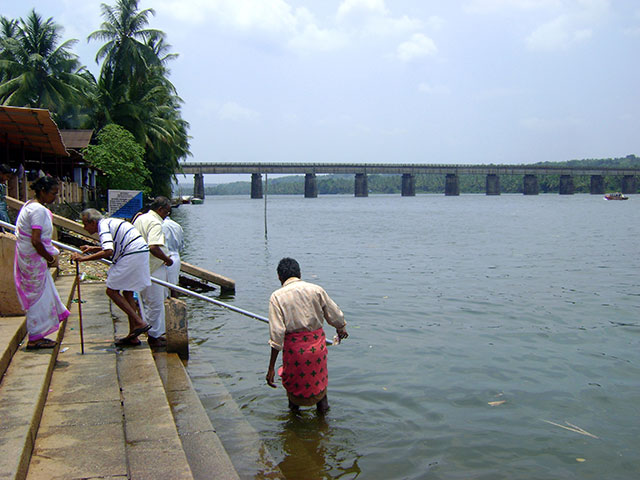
(35, 254)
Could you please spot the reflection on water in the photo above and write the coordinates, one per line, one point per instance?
(306, 445)
(474, 322)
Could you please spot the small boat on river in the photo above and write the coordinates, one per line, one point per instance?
(615, 196)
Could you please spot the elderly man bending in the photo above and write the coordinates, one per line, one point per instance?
(124, 246)
(296, 313)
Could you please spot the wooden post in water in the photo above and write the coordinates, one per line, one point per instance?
(177, 327)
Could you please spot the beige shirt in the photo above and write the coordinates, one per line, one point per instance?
(150, 227)
(300, 306)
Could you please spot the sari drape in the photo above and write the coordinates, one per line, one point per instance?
(34, 285)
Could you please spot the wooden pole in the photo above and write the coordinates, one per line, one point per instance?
(79, 306)
(266, 187)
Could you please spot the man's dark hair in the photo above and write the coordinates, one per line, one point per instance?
(288, 268)
(160, 202)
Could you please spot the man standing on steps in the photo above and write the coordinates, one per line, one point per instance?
(174, 240)
(296, 313)
(150, 227)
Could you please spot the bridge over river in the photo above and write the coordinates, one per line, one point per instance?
(530, 175)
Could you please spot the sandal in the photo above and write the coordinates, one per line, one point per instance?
(139, 331)
(42, 343)
(128, 342)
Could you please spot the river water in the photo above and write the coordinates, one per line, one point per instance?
(479, 328)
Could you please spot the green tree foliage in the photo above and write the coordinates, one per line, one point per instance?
(134, 90)
(120, 158)
(38, 71)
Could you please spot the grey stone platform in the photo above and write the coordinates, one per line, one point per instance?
(101, 414)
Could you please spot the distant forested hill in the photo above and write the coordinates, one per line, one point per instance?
(328, 184)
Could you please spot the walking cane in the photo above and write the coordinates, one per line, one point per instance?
(79, 306)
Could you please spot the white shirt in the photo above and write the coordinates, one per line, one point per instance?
(173, 235)
(300, 306)
(121, 237)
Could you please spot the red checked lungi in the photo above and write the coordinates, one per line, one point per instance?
(304, 373)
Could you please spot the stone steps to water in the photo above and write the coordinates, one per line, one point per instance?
(23, 391)
(101, 414)
(202, 446)
(12, 331)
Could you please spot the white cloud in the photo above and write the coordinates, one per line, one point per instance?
(419, 46)
(237, 113)
(551, 124)
(632, 31)
(350, 10)
(274, 16)
(559, 33)
(435, 23)
(278, 22)
(490, 6)
(433, 89)
(275, 20)
(313, 38)
(570, 21)
(371, 17)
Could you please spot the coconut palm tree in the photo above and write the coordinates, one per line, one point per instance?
(134, 90)
(126, 54)
(35, 69)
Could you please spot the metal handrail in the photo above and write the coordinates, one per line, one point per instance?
(159, 282)
(167, 284)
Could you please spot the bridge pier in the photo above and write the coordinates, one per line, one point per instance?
(361, 185)
(530, 185)
(408, 185)
(452, 185)
(198, 185)
(629, 184)
(597, 185)
(310, 186)
(493, 184)
(256, 185)
(566, 185)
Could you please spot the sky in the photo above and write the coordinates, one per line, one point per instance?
(395, 81)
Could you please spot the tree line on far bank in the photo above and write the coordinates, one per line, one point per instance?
(380, 183)
(132, 106)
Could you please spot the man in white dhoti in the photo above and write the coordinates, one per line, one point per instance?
(150, 227)
(174, 240)
(124, 246)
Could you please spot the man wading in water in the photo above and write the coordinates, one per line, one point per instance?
(296, 314)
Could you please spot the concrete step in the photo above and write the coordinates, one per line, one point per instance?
(104, 412)
(205, 453)
(107, 415)
(12, 331)
(241, 440)
(23, 392)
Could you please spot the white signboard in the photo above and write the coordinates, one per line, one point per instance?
(124, 203)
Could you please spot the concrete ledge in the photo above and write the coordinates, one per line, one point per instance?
(154, 450)
(103, 413)
(244, 442)
(23, 391)
(205, 453)
(12, 331)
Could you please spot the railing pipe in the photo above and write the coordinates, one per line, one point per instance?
(160, 282)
